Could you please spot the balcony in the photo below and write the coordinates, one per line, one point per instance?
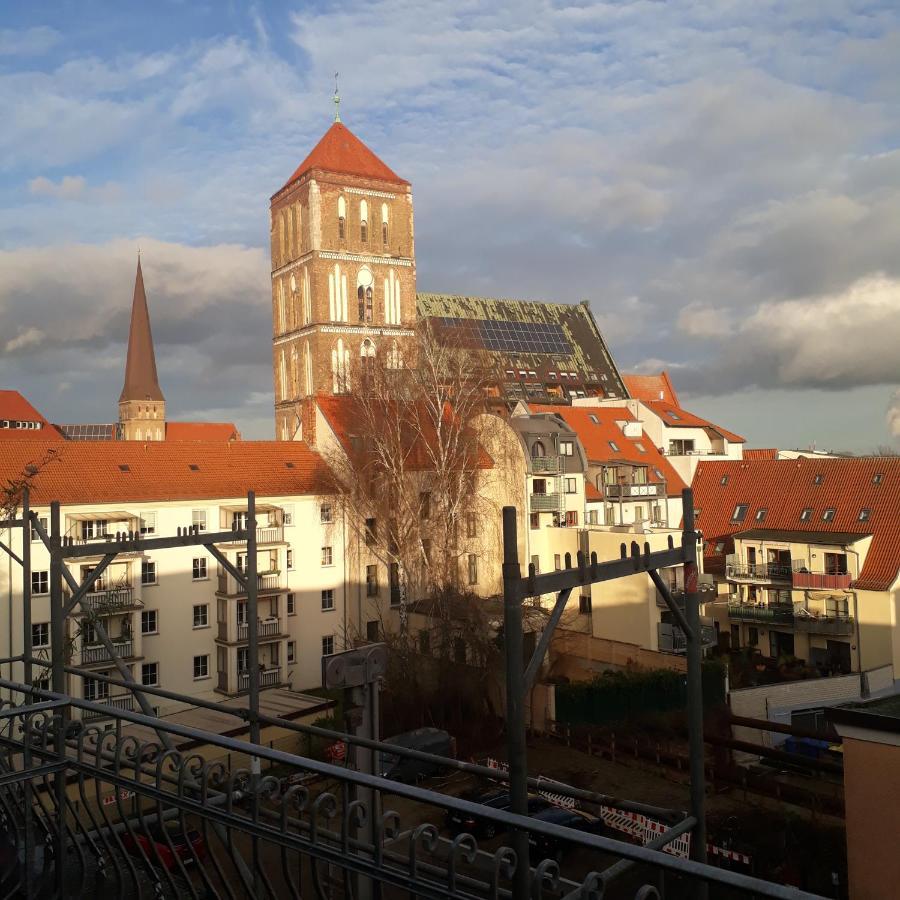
(672, 638)
(760, 573)
(99, 654)
(266, 582)
(834, 625)
(267, 678)
(269, 534)
(546, 502)
(120, 701)
(108, 601)
(265, 628)
(632, 491)
(820, 581)
(761, 612)
(545, 465)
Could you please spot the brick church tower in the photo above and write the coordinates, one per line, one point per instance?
(343, 272)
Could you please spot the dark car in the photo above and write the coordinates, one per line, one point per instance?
(498, 798)
(541, 846)
(408, 770)
(188, 845)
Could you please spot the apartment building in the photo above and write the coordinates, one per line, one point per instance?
(807, 556)
(177, 618)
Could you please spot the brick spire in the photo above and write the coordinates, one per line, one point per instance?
(141, 381)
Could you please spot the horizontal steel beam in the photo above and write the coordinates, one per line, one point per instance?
(140, 544)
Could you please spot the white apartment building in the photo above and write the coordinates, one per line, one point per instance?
(177, 618)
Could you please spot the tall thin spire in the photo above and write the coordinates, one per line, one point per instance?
(141, 381)
(337, 100)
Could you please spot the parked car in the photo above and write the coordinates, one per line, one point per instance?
(408, 770)
(188, 845)
(497, 798)
(542, 846)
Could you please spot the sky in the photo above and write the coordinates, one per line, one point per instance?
(720, 179)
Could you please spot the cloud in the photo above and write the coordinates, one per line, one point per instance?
(28, 41)
(699, 320)
(74, 187)
(30, 337)
(893, 415)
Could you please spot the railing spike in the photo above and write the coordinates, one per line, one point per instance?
(623, 551)
(568, 561)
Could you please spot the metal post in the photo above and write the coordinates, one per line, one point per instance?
(694, 686)
(27, 650)
(515, 697)
(58, 682)
(253, 662)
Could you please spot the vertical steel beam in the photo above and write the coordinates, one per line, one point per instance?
(515, 697)
(250, 572)
(694, 685)
(58, 681)
(27, 650)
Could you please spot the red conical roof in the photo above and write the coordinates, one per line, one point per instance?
(341, 151)
(141, 382)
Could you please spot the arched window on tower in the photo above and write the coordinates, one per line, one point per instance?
(340, 366)
(367, 361)
(363, 221)
(384, 225)
(342, 218)
(365, 283)
(395, 356)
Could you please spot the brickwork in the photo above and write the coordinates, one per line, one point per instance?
(143, 420)
(343, 284)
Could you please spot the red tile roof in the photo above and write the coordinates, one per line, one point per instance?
(760, 453)
(651, 387)
(595, 438)
(785, 487)
(341, 151)
(15, 407)
(590, 491)
(92, 471)
(669, 411)
(202, 431)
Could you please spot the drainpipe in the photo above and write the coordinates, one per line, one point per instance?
(863, 688)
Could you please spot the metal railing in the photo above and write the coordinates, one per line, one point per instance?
(825, 624)
(265, 581)
(762, 612)
(758, 572)
(118, 701)
(546, 502)
(545, 465)
(672, 638)
(264, 628)
(265, 534)
(96, 654)
(267, 678)
(627, 491)
(818, 581)
(111, 599)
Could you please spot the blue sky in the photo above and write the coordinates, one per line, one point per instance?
(720, 179)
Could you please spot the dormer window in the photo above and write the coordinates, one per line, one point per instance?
(864, 515)
(724, 480)
(806, 514)
(761, 514)
(594, 419)
(878, 478)
(673, 415)
(818, 479)
(828, 515)
(740, 512)
(613, 446)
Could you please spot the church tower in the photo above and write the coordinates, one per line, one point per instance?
(142, 407)
(343, 272)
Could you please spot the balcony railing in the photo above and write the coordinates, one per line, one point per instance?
(110, 600)
(546, 503)
(758, 572)
(626, 491)
(98, 654)
(268, 534)
(836, 625)
(761, 612)
(265, 581)
(672, 638)
(821, 581)
(120, 701)
(265, 628)
(267, 678)
(546, 465)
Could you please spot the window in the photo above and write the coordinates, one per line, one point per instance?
(761, 514)
(680, 447)
(198, 519)
(327, 599)
(148, 523)
(287, 516)
(201, 666)
(394, 577)
(471, 525)
(613, 446)
(148, 571)
(95, 690)
(672, 415)
(91, 529)
(371, 532)
(724, 480)
(818, 479)
(243, 659)
(327, 556)
(572, 518)
(328, 645)
(40, 582)
(425, 504)
(35, 537)
(584, 604)
(752, 636)
(719, 548)
(557, 562)
(640, 446)
(198, 569)
(371, 581)
(536, 562)
(384, 234)
(806, 514)
(289, 558)
(291, 651)
(878, 478)
(201, 615)
(534, 520)
(149, 621)
(566, 448)
(740, 512)
(325, 516)
(291, 605)
(864, 515)
(539, 486)
(538, 451)
(570, 486)
(828, 515)
(473, 569)
(40, 634)
(150, 674)
(594, 419)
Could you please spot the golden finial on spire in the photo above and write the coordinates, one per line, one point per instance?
(337, 100)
